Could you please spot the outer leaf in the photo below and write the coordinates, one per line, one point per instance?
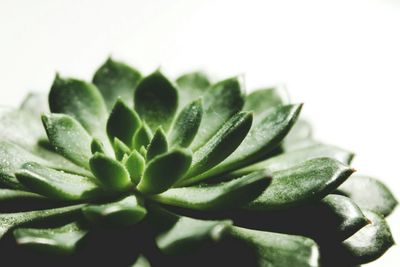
(35, 104)
(178, 234)
(260, 100)
(221, 101)
(224, 195)
(164, 170)
(186, 124)
(12, 220)
(17, 200)
(56, 184)
(61, 240)
(191, 86)
(267, 132)
(135, 165)
(111, 173)
(220, 146)
(125, 212)
(141, 262)
(10, 194)
(80, 100)
(369, 194)
(116, 80)
(122, 123)
(299, 136)
(313, 179)
(279, 250)
(158, 145)
(68, 138)
(156, 100)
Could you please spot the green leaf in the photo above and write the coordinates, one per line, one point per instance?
(179, 234)
(156, 100)
(61, 240)
(234, 193)
(97, 146)
(310, 180)
(186, 124)
(220, 146)
(158, 145)
(267, 132)
(164, 170)
(35, 104)
(191, 86)
(261, 100)
(111, 173)
(12, 200)
(279, 250)
(369, 193)
(116, 80)
(11, 194)
(125, 212)
(135, 164)
(220, 102)
(80, 100)
(141, 262)
(68, 138)
(9, 221)
(122, 123)
(56, 184)
(299, 136)
(142, 137)
(120, 149)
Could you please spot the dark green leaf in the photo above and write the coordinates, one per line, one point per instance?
(156, 100)
(122, 123)
(111, 173)
(12, 220)
(279, 250)
(234, 193)
(120, 149)
(260, 100)
(142, 137)
(56, 184)
(80, 100)
(220, 146)
(369, 193)
(61, 240)
(310, 180)
(186, 124)
(135, 164)
(116, 80)
(220, 102)
(68, 138)
(191, 86)
(164, 170)
(125, 212)
(97, 146)
(158, 145)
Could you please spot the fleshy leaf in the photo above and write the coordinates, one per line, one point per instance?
(69, 138)
(279, 250)
(35, 104)
(191, 86)
(61, 240)
(156, 100)
(116, 80)
(186, 124)
(12, 200)
(135, 164)
(300, 136)
(178, 234)
(158, 145)
(164, 170)
(221, 145)
(369, 193)
(97, 146)
(56, 184)
(122, 123)
(141, 262)
(142, 137)
(111, 173)
(125, 212)
(220, 102)
(310, 180)
(120, 149)
(267, 132)
(12, 220)
(260, 100)
(80, 100)
(234, 193)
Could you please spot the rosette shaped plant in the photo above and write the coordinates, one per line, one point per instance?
(139, 171)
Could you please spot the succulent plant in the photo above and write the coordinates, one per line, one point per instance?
(139, 171)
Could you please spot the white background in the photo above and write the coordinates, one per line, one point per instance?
(340, 57)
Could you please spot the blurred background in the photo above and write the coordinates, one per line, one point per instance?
(341, 58)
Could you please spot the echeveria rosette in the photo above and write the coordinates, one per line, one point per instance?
(139, 171)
